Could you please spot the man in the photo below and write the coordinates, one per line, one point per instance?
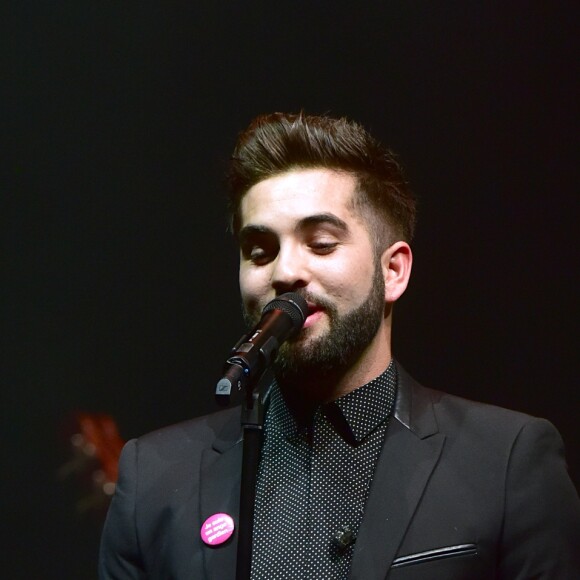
(363, 473)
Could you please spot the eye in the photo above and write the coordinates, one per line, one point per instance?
(323, 247)
(259, 256)
(259, 252)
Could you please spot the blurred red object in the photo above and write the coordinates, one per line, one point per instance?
(96, 446)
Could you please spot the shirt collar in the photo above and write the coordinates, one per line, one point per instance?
(354, 415)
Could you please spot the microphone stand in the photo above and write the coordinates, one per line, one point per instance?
(249, 359)
(252, 424)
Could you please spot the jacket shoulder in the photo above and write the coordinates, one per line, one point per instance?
(198, 433)
(426, 410)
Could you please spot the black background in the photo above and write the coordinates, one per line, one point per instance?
(120, 283)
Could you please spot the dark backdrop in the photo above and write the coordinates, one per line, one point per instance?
(120, 279)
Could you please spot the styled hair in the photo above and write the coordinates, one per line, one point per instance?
(280, 142)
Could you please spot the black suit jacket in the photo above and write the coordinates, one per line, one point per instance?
(461, 491)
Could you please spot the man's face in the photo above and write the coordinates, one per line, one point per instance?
(300, 233)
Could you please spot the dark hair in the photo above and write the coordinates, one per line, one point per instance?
(279, 142)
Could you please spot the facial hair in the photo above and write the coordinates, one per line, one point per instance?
(301, 361)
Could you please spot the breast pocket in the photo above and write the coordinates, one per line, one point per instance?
(435, 554)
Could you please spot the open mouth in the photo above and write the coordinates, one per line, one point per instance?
(315, 313)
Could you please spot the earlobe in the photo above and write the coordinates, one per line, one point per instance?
(396, 261)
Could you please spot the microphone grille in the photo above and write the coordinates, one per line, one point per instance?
(291, 303)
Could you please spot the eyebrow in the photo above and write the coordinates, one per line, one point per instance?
(253, 230)
(306, 222)
(323, 218)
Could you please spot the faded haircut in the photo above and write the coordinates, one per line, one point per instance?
(276, 143)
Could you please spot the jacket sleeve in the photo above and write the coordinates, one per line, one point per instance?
(119, 556)
(541, 528)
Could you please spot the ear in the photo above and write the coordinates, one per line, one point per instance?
(396, 261)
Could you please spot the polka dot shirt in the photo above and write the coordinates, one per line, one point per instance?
(314, 480)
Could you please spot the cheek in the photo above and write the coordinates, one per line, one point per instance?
(246, 284)
(350, 281)
(253, 284)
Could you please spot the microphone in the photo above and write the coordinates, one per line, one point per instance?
(281, 318)
(344, 538)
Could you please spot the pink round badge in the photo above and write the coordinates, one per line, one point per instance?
(217, 529)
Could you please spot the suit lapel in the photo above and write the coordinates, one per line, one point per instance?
(220, 493)
(411, 451)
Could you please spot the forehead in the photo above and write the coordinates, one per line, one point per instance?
(297, 194)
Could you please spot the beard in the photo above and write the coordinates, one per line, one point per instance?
(320, 361)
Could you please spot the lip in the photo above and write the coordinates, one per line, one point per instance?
(315, 314)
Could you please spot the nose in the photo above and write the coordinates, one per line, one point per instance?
(290, 270)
